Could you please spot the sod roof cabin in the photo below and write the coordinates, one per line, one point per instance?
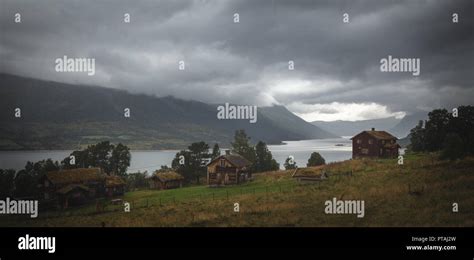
(374, 144)
(72, 186)
(70, 176)
(114, 186)
(166, 180)
(228, 169)
(309, 174)
(67, 189)
(75, 186)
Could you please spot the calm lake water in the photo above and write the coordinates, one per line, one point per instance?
(337, 149)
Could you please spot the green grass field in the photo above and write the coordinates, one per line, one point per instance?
(276, 199)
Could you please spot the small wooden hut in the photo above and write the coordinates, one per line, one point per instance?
(310, 174)
(166, 180)
(114, 186)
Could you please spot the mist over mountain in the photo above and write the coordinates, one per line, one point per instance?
(351, 128)
(402, 129)
(64, 116)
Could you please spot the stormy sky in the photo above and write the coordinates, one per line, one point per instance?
(337, 65)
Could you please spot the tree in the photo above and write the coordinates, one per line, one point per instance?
(463, 125)
(181, 164)
(6, 183)
(289, 164)
(110, 158)
(452, 147)
(263, 159)
(136, 180)
(99, 155)
(436, 129)
(26, 180)
(315, 160)
(216, 151)
(241, 145)
(443, 131)
(120, 160)
(190, 165)
(417, 137)
(199, 152)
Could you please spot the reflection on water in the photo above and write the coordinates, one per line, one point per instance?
(337, 149)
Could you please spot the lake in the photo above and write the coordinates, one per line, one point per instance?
(337, 149)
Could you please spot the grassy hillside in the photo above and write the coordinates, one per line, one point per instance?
(275, 199)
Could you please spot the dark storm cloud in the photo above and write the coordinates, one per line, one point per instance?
(336, 64)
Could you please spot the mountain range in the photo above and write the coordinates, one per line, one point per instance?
(351, 128)
(397, 127)
(57, 115)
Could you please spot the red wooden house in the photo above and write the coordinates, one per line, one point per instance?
(374, 144)
(228, 169)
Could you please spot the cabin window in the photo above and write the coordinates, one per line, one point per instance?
(371, 141)
(222, 163)
(359, 141)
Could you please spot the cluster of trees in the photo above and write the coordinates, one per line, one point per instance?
(135, 181)
(259, 155)
(192, 162)
(450, 133)
(24, 183)
(113, 159)
(314, 160)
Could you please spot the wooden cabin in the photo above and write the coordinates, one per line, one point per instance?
(377, 144)
(310, 174)
(76, 186)
(74, 194)
(114, 186)
(228, 169)
(166, 180)
(73, 186)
